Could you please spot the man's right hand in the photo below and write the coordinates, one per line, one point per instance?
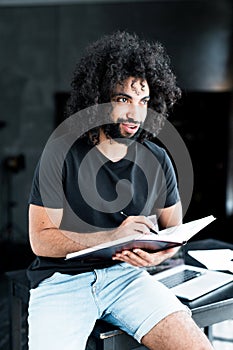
(132, 225)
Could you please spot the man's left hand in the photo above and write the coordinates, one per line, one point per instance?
(140, 258)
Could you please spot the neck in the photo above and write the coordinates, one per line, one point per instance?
(111, 149)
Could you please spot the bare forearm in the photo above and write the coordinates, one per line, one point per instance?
(53, 242)
(48, 240)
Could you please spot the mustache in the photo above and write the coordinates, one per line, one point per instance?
(128, 120)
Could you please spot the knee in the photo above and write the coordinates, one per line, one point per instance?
(177, 331)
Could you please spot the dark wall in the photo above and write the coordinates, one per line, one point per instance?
(39, 49)
(199, 119)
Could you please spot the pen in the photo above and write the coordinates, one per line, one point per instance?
(151, 230)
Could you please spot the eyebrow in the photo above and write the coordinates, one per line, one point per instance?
(128, 96)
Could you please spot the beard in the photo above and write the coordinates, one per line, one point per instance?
(113, 131)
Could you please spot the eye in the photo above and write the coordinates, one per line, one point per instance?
(145, 102)
(122, 99)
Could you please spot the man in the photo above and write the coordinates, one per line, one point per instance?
(84, 180)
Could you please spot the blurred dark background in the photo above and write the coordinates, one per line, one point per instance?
(40, 43)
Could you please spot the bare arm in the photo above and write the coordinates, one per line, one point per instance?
(171, 216)
(48, 240)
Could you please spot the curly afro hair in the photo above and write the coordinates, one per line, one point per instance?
(111, 60)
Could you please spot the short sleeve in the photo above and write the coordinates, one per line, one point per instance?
(47, 184)
(172, 192)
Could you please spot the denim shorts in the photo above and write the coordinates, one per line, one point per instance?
(63, 308)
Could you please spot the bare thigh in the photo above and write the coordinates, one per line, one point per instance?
(176, 331)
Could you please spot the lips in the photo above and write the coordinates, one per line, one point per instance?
(130, 128)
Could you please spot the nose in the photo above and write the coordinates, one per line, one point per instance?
(134, 112)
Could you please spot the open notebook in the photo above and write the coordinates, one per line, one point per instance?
(190, 282)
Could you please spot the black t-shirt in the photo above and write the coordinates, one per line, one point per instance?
(92, 190)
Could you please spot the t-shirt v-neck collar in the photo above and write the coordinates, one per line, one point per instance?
(130, 156)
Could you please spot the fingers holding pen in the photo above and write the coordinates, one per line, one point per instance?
(142, 221)
(131, 227)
